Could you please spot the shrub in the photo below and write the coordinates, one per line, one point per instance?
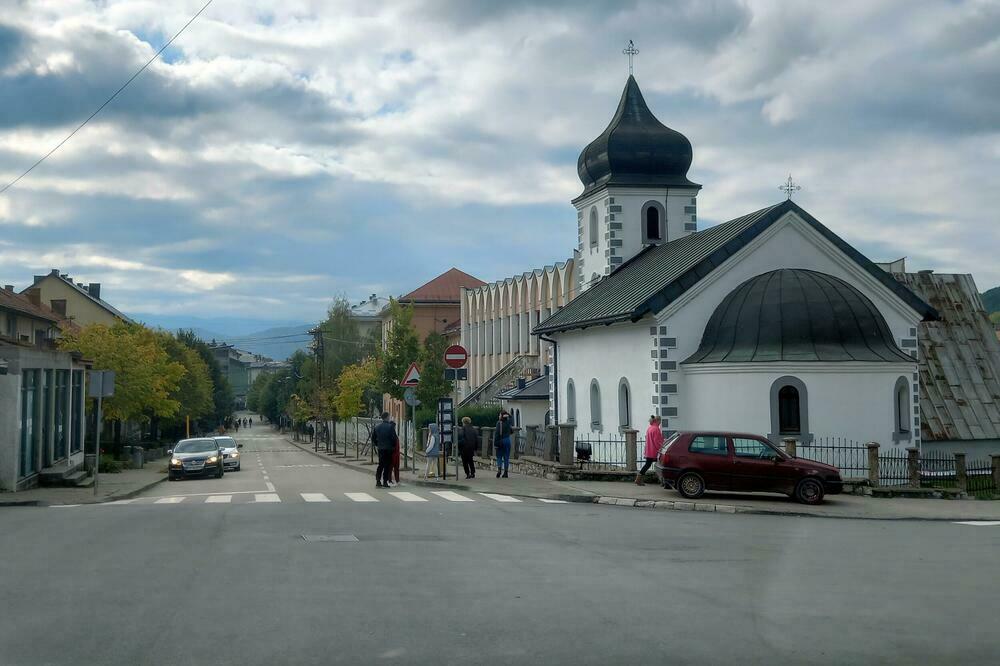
(481, 415)
(111, 466)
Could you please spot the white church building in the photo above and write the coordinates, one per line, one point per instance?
(769, 323)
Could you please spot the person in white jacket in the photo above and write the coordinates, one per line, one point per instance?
(433, 449)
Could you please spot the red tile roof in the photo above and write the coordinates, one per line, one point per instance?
(445, 288)
(20, 303)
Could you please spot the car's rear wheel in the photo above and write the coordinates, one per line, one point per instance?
(809, 491)
(691, 485)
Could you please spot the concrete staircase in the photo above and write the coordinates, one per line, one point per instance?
(506, 377)
(63, 475)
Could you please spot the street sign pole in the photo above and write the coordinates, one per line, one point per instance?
(97, 447)
(101, 385)
(455, 357)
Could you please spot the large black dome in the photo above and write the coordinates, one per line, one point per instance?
(635, 150)
(796, 315)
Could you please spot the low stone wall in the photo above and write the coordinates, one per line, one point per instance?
(553, 471)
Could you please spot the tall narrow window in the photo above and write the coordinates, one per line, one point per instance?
(652, 223)
(654, 218)
(788, 411)
(595, 405)
(593, 227)
(570, 402)
(901, 409)
(624, 404)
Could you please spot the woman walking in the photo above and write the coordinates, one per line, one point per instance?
(433, 450)
(654, 440)
(501, 443)
(468, 444)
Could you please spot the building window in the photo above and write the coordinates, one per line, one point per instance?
(12, 325)
(570, 402)
(789, 410)
(75, 430)
(595, 405)
(593, 226)
(624, 405)
(653, 222)
(29, 422)
(901, 409)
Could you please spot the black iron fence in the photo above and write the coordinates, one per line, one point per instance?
(849, 456)
(607, 452)
(893, 467)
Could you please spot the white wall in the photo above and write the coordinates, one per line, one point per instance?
(532, 411)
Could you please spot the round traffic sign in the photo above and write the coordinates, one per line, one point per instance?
(456, 356)
(410, 396)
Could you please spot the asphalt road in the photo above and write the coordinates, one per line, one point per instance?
(175, 578)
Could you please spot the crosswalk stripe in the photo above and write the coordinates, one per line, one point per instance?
(218, 499)
(451, 496)
(979, 523)
(266, 497)
(169, 500)
(500, 498)
(314, 497)
(408, 497)
(360, 497)
(551, 501)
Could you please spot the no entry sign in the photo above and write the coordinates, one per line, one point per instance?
(456, 356)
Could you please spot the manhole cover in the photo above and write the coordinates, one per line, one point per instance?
(329, 537)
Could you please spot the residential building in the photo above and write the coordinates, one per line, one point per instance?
(368, 314)
(78, 302)
(236, 367)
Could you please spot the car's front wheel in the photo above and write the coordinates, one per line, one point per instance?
(219, 473)
(691, 485)
(809, 491)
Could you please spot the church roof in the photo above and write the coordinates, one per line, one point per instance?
(658, 275)
(445, 288)
(795, 314)
(635, 150)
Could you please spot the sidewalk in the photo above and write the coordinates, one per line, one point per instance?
(653, 497)
(110, 487)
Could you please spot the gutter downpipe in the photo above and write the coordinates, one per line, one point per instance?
(555, 378)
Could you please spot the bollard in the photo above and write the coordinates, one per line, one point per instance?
(630, 450)
(961, 475)
(551, 438)
(913, 465)
(567, 440)
(791, 446)
(873, 471)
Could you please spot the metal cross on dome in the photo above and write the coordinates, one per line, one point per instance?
(630, 51)
(790, 187)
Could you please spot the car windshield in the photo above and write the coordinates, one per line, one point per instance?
(226, 442)
(196, 446)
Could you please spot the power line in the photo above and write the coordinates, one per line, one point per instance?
(108, 101)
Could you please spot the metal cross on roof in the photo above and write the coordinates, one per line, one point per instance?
(630, 51)
(790, 187)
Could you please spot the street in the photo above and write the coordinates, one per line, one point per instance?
(219, 572)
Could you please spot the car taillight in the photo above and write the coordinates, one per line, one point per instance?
(665, 459)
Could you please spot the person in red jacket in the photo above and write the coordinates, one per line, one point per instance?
(654, 440)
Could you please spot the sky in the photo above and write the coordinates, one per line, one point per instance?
(285, 153)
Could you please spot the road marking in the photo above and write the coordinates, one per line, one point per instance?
(269, 497)
(451, 496)
(408, 497)
(500, 498)
(315, 497)
(218, 499)
(169, 500)
(63, 506)
(270, 486)
(551, 501)
(124, 501)
(360, 497)
(979, 523)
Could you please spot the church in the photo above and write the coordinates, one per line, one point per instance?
(769, 323)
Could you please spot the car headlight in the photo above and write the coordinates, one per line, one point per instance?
(212, 460)
(175, 461)
(234, 454)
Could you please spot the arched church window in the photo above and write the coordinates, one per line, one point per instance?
(654, 219)
(789, 410)
(593, 226)
(901, 410)
(570, 402)
(595, 405)
(652, 223)
(624, 404)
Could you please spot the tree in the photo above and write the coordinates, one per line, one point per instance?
(222, 392)
(195, 389)
(340, 344)
(433, 385)
(402, 348)
(356, 385)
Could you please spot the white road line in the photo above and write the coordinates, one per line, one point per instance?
(979, 523)
(314, 497)
(169, 500)
(451, 496)
(218, 499)
(408, 497)
(233, 492)
(62, 506)
(360, 497)
(500, 498)
(269, 497)
(270, 486)
(550, 501)
(125, 501)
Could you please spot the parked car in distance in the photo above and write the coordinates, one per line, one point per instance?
(195, 457)
(230, 452)
(693, 462)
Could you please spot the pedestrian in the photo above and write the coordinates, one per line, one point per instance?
(385, 440)
(654, 440)
(433, 449)
(468, 444)
(501, 443)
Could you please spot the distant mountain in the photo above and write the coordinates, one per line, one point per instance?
(278, 343)
(991, 299)
(275, 339)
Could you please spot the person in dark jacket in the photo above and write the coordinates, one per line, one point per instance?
(501, 443)
(385, 440)
(468, 444)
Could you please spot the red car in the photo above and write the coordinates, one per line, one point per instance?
(693, 462)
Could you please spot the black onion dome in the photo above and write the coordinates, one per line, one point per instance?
(796, 315)
(635, 150)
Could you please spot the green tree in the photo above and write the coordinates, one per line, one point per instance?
(194, 390)
(339, 343)
(433, 385)
(995, 317)
(356, 386)
(222, 392)
(402, 348)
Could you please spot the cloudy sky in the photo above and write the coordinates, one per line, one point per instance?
(284, 152)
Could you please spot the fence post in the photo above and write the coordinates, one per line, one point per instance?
(790, 447)
(530, 438)
(487, 441)
(995, 465)
(567, 440)
(551, 436)
(913, 465)
(961, 476)
(515, 431)
(873, 471)
(630, 450)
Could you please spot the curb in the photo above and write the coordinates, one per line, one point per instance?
(109, 498)
(21, 503)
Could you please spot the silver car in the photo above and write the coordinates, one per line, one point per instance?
(230, 452)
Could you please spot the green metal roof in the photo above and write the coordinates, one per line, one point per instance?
(658, 275)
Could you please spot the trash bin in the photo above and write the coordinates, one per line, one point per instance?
(137, 457)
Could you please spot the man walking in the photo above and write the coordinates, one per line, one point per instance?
(385, 440)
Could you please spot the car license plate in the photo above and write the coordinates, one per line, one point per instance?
(193, 466)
